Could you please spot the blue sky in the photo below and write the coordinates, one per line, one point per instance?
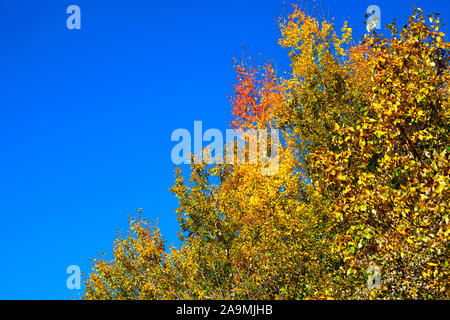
(86, 116)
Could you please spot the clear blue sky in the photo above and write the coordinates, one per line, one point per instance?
(86, 116)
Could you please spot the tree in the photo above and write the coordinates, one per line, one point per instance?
(362, 181)
(388, 174)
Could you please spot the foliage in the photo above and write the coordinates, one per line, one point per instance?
(363, 180)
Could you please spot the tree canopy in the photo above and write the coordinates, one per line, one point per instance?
(362, 180)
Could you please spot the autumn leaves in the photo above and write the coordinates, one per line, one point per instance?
(362, 181)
